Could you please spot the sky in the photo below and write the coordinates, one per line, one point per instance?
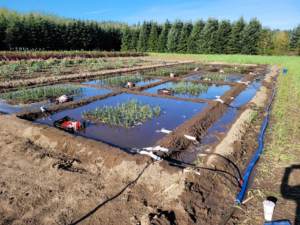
(275, 14)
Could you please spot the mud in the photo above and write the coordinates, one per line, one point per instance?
(67, 179)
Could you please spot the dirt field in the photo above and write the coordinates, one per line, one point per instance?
(49, 176)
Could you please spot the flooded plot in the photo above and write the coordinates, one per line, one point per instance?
(122, 81)
(174, 113)
(164, 72)
(190, 89)
(221, 126)
(29, 99)
(215, 77)
(230, 71)
(246, 95)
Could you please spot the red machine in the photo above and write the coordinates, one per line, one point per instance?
(165, 91)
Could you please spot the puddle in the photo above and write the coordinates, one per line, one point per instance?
(220, 77)
(121, 81)
(176, 113)
(86, 93)
(211, 91)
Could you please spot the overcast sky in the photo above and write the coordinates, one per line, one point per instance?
(271, 13)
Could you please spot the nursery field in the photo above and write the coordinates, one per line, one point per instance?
(79, 133)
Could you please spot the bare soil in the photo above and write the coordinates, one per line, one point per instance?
(49, 176)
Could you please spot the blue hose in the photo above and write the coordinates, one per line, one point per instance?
(250, 167)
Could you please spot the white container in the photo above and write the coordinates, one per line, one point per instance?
(268, 209)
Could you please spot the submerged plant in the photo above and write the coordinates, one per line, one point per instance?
(129, 113)
(215, 77)
(120, 81)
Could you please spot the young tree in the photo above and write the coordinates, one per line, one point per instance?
(207, 41)
(250, 37)
(152, 43)
(192, 46)
(126, 38)
(235, 38)
(282, 43)
(222, 37)
(163, 37)
(174, 35)
(184, 37)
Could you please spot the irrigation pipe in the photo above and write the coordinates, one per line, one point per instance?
(240, 196)
(261, 144)
(145, 151)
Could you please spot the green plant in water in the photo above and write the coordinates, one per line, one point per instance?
(163, 72)
(216, 77)
(191, 88)
(42, 93)
(119, 81)
(129, 113)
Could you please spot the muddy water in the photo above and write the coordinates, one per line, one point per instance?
(212, 91)
(142, 82)
(86, 93)
(176, 113)
(229, 78)
(220, 127)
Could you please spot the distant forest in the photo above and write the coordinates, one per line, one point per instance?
(44, 31)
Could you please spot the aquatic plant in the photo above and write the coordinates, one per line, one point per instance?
(120, 81)
(191, 88)
(215, 77)
(163, 72)
(42, 93)
(129, 113)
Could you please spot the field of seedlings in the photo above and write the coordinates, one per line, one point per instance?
(126, 140)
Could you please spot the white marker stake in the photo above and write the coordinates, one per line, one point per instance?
(190, 137)
(165, 131)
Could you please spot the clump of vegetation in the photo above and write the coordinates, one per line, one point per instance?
(163, 72)
(120, 81)
(39, 94)
(129, 113)
(193, 88)
(215, 77)
(185, 67)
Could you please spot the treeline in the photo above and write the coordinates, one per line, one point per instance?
(41, 31)
(211, 37)
(38, 30)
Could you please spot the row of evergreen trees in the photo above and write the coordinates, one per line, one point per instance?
(210, 37)
(50, 32)
(38, 30)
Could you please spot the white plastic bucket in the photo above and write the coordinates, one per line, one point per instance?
(268, 209)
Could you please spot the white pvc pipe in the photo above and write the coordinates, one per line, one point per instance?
(190, 137)
(151, 155)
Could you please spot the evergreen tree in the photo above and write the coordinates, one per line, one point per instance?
(222, 37)
(143, 38)
(192, 46)
(174, 35)
(163, 37)
(126, 38)
(184, 37)
(235, 39)
(207, 41)
(250, 37)
(295, 37)
(153, 38)
(134, 39)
